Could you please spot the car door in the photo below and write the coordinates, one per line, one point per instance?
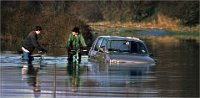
(95, 48)
(100, 55)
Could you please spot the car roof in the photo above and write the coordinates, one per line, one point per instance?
(120, 38)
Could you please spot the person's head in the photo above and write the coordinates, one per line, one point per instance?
(38, 29)
(75, 31)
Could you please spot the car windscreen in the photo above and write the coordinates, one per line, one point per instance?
(126, 46)
(118, 46)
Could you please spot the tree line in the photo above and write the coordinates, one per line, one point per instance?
(58, 17)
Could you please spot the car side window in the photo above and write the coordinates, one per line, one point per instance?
(103, 44)
(142, 48)
(108, 44)
(134, 47)
(98, 44)
(93, 45)
(138, 47)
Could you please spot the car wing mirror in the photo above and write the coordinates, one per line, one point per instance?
(102, 49)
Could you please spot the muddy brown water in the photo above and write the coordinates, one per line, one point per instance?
(176, 74)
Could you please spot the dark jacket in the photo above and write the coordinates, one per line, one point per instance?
(30, 43)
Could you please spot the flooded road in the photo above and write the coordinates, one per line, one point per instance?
(176, 74)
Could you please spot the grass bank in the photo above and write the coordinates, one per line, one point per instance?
(163, 26)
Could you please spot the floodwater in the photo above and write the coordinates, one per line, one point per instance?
(175, 74)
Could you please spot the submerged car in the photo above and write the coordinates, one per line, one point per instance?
(120, 50)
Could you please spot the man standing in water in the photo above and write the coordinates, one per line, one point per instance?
(75, 42)
(30, 43)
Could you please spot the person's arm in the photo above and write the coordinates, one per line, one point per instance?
(82, 40)
(35, 42)
(68, 41)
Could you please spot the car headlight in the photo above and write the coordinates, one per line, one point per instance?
(115, 61)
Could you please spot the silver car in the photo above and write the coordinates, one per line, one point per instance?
(120, 50)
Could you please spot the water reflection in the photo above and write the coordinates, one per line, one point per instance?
(30, 74)
(177, 66)
(119, 75)
(105, 78)
(73, 70)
